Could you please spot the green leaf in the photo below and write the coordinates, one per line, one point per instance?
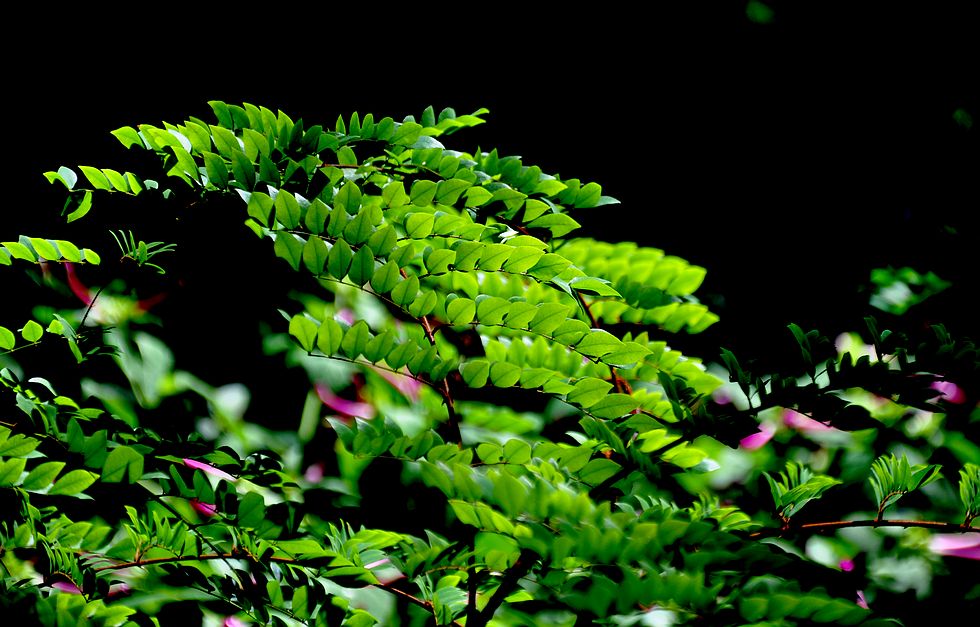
(594, 285)
(358, 230)
(437, 261)
(288, 211)
(96, 177)
(549, 317)
(598, 470)
(260, 208)
(449, 190)
(559, 224)
(386, 278)
(7, 339)
(491, 309)
(42, 476)
(45, 249)
(69, 251)
(383, 240)
(19, 251)
(304, 330)
(339, 259)
(520, 314)
(423, 305)
(289, 247)
(393, 195)
(588, 392)
(216, 169)
(477, 196)
(315, 255)
(460, 311)
(406, 133)
(419, 225)
(422, 193)
(504, 375)
(522, 259)
(362, 266)
(91, 256)
(84, 205)
(127, 136)
(10, 471)
(614, 406)
(329, 336)
(243, 169)
(316, 216)
(122, 464)
(475, 372)
(356, 339)
(73, 483)
(32, 331)
(251, 510)
(405, 292)
(349, 198)
(598, 343)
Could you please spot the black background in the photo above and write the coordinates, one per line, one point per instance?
(787, 158)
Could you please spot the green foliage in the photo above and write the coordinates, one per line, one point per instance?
(546, 456)
(141, 252)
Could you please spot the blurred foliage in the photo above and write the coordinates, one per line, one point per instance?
(478, 417)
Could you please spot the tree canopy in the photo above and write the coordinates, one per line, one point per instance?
(464, 409)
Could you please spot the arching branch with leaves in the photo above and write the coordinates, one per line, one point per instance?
(502, 388)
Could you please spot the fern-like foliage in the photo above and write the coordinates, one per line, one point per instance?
(557, 460)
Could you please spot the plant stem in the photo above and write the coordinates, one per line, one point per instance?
(520, 568)
(843, 524)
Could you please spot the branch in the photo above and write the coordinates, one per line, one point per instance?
(238, 555)
(426, 605)
(843, 524)
(521, 568)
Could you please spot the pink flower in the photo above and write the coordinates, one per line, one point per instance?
(404, 383)
(205, 509)
(345, 315)
(314, 473)
(232, 621)
(796, 420)
(66, 586)
(956, 545)
(861, 601)
(949, 391)
(208, 468)
(344, 407)
(759, 438)
(846, 565)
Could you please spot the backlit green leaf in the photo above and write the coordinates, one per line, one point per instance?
(73, 482)
(304, 330)
(124, 464)
(42, 475)
(315, 255)
(32, 331)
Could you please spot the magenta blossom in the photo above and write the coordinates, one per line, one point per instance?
(66, 586)
(796, 420)
(759, 438)
(208, 510)
(208, 468)
(315, 472)
(949, 391)
(232, 621)
(344, 407)
(403, 382)
(956, 545)
(346, 315)
(846, 565)
(861, 601)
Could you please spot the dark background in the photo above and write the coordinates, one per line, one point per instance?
(788, 158)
